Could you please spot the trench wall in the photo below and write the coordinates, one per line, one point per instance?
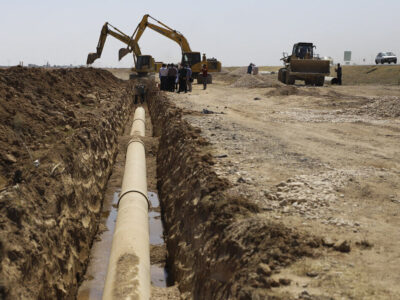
(50, 217)
(218, 245)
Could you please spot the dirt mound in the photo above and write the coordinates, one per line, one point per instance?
(224, 71)
(239, 71)
(211, 234)
(283, 91)
(256, 81)
(385, 107)
(288, 90)
(57, 134)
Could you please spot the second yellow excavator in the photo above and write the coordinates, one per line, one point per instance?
(189, 57)
(143, 63)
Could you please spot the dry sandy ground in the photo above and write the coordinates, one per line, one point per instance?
(324, 160)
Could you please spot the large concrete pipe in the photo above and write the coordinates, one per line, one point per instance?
(128, 274)
(138, 127)
(331, 80)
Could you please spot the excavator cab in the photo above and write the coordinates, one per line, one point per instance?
(144, 64)
(191, 58)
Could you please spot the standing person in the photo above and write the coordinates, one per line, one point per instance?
(163, 77)
(167, 86)
(175, 81)
(178, 66)
(189, 79)
(171, 78)
(338, 71)
(250, 68)
(182, 79)
(204, 74)
(140, 91)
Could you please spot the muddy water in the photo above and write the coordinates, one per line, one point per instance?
(159, 274)
(92, 287)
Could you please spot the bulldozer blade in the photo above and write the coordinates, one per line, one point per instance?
(122, 52)
(91, 58)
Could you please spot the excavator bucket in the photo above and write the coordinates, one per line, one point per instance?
(91, 58)
(122, 52)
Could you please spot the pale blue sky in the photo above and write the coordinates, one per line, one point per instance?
(235, 32)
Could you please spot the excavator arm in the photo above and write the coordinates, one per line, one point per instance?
(163, 29)
(193, 59)
(170, 33)
(119, 35)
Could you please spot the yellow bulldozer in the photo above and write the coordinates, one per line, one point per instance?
(303, 64)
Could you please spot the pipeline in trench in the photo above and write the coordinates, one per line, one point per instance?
(211, 234)
(95, 277)
(93, 285)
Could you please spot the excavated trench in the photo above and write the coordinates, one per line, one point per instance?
(93, 283)
(216, 244)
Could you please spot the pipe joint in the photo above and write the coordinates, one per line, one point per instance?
(138, 120)
(135, 140)
(135, 191)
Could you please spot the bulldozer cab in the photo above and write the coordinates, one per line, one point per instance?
(303, 50)
(191, 58)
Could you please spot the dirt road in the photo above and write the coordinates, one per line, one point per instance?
(323, 160)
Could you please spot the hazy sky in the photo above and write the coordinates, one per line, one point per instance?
(235, 32)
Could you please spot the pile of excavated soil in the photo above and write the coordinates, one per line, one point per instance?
(230, 77)
(239, 71)
(220, 246)
(58, 131)
(288, 90)
(256, 81)
(385, 107)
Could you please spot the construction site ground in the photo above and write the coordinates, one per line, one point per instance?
(323, 160)
(267, 191)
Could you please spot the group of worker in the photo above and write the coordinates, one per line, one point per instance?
(178, 78)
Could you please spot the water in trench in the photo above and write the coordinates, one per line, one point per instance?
(92, 286)
(159, 274)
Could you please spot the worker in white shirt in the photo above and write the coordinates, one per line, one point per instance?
(163, 77)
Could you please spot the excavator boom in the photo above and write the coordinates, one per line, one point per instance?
(193, 59)
(170, 33)
(119, 35)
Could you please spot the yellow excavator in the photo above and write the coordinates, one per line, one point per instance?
(143, 63)
(193, 59)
